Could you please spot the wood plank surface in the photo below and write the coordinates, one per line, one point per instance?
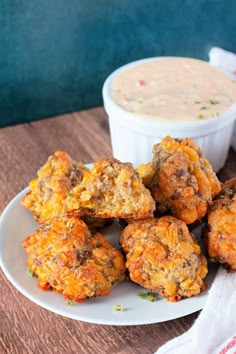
(26, 327)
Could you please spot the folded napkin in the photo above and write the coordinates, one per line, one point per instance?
(214, 331)
(226, 61)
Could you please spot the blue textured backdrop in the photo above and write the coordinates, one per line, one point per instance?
(56, 54)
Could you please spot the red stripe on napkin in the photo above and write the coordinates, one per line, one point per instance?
(229, 346)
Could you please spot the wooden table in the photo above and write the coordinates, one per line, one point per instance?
(24, 326)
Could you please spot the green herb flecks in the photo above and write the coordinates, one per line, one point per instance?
(70, 195)
(203, 108)
(214, 102)
(70, 302)
(197, 102)
(69, 224)
(29, 272)
(200, 116)
(150, 296)
(117, 308)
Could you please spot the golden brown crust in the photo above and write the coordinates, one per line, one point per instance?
(219, 236)
(49, 190)
(66, 257)
(146, 172)
(162, 255)
(111, 189)
(184, 181)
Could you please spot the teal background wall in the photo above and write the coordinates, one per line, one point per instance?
(56, 54)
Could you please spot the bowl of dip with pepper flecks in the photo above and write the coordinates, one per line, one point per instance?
(182, 97)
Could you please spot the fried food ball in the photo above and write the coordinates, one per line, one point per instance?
(163, 256)
(146, 173)
(66, 257)
(49, 190)
(111, 189)
(184, 182)
(219, 236)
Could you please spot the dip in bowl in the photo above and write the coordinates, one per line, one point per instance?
(182, 97)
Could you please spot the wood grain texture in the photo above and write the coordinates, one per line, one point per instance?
(24, 326)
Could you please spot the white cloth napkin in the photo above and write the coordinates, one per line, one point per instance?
(226, 61)
(214, 331)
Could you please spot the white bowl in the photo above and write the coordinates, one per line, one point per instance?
(133, 136)
(233, 139)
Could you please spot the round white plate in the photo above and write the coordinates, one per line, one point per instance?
(16, 223)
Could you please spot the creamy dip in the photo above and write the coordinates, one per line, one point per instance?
(176, 89)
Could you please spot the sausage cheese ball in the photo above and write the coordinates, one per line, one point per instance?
(162, 255)
(66, 257)
(111, 189)
(219, 236)
(49, 190)
(184, 182)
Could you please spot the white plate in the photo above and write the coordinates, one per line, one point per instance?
(16, 223)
